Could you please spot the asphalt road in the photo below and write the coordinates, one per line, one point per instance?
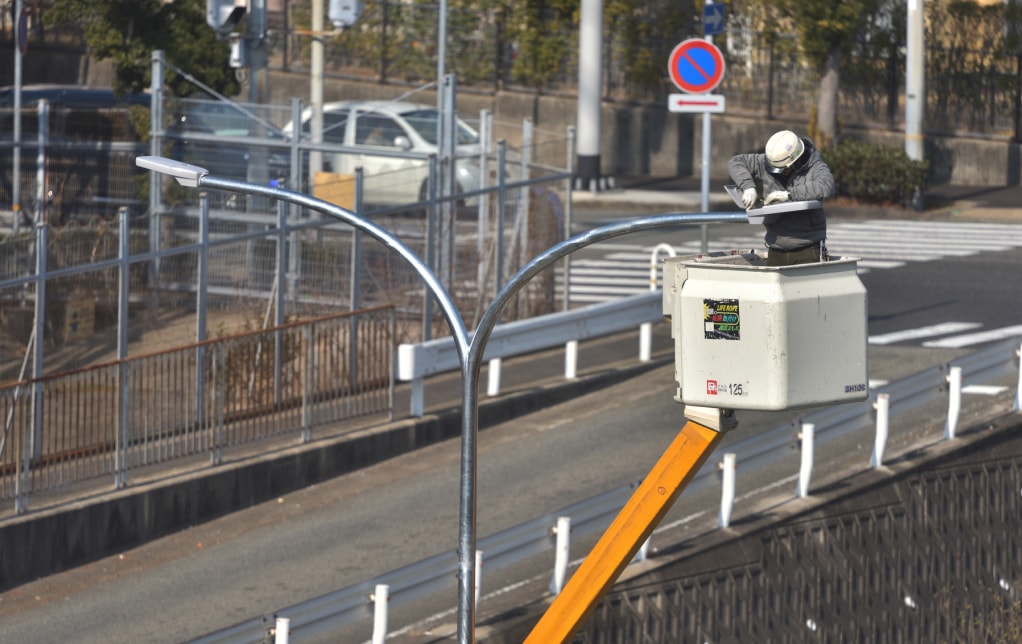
(384, 517)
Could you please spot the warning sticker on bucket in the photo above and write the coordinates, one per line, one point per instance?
(721, 320)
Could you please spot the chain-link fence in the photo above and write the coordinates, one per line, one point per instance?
(253, 263)
(90, 299)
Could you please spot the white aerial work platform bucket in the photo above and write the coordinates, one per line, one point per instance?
(750, 336)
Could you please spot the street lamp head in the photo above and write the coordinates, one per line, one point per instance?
(187, 175)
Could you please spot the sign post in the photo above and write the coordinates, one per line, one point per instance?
(696, 67)
(713, 18)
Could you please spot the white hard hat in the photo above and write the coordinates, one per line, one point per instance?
(784, 148)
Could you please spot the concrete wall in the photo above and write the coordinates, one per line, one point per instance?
(637, 139)
(644, 140)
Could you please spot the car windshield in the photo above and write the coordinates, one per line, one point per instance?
(223, 118)
(424, 122)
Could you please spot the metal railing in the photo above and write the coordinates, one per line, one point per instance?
(417, 361)
(761, 452)
(203, 398)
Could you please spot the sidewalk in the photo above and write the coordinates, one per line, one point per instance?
(683, 194)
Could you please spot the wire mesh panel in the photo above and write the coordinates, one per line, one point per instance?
(931, 557)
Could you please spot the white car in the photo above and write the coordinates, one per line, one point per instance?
(389, 126)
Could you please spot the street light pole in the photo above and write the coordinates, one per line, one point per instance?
(470, 348)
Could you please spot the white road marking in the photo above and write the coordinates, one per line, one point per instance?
(944, 328)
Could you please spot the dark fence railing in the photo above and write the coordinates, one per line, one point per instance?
(110, 419)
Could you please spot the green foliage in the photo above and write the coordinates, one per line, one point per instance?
(643, 35)
(543, 35)
(128, 31)
(966, 65)
(875, 173)
(825, 25)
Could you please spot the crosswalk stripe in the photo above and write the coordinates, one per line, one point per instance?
(969, 339)
(878, 244)
(983, 390)
(944, 328)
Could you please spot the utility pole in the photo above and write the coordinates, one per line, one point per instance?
(590, 94)
(915, 90)
(315, 90)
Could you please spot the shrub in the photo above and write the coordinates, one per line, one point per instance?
(875, 173)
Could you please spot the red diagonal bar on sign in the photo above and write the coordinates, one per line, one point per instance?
(695, 65)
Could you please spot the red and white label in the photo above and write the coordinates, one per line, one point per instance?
(696, 103)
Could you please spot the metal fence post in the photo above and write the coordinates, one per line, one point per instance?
(124, 371)
(805, 473)
(569, 213)
(501, 206)
(727, 490)
(379, 598)
(880, 442)
(282, 291)
(643, 552)
(479, 576)
(562, 552)
(33, 429)
(356, 280)
(282, 631)
(201, 309)
(483, 210)
(571, 359)
(431, 214)
(307, 391)
(493, 377)
(954, 402)
(219, 401)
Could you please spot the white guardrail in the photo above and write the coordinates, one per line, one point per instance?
(553, 531)
(415, 362)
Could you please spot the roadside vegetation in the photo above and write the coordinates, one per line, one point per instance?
(874, 173)
(854, 52)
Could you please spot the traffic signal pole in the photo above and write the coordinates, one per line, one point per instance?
(622, 540)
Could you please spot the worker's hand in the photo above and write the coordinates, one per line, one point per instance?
(777, 196)
(749, 198)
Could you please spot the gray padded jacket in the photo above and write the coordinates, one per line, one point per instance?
(811, 180)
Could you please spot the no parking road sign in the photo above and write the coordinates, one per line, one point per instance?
(696, 66)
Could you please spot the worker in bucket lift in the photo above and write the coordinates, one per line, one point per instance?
(790, 168)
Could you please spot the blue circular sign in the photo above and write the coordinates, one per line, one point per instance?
(696, 66)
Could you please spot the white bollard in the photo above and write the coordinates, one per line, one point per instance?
(282, 630)
(727, 491)
(643, 552)
(645, 342)
(379, 599)
(954, 404)
(561, 554)
(479, 574)
(805, 473)
(493, 377)
(883, 406)
(571, 359)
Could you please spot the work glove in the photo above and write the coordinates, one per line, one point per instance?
(749, 198)
(776, 196)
